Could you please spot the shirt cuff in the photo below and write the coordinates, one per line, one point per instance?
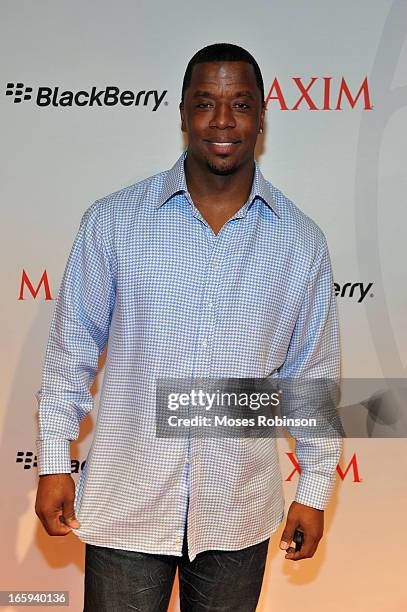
(54, 456)
(314, 490)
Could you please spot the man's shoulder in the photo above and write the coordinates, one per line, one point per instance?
(295, 221)
(128, 199)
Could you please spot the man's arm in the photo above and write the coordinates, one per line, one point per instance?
(314, 353)
(78, 334)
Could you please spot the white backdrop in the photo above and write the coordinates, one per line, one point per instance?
(345, 168)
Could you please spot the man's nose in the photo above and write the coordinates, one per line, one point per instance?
(223, 116)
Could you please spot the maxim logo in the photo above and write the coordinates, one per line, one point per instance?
(110, 96)
(352, 468)
(319, 93)
(26, 282)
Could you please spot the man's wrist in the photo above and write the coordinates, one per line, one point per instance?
(314, 490)
(53, 456)
(308, 506)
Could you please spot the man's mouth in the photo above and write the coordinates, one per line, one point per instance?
(222, 147)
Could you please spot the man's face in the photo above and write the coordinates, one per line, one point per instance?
(222, 114)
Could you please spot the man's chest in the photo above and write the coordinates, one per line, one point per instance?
(176, 266)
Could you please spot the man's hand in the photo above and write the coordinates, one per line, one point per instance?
(308, 520)
(54, 505)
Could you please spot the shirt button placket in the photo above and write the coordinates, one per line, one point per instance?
(207, 327)
(204, 354)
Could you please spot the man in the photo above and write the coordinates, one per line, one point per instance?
(206, 270)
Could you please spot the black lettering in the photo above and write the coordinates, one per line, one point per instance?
(55, 97)
(78, 96)
(112, 93)
(44, 96)
(148, 94)
(364, 292)
(74, 466)
(344, 289)
(158, 100)
(140, 93)
(66, 98)
(127, 98)
(95, 97)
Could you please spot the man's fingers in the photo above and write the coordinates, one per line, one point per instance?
(54, 505)
(288, 534)
(307, 549)
(53, 525)
(310, 521)
(69, 515)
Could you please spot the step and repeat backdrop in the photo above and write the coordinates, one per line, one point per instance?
(89, 104)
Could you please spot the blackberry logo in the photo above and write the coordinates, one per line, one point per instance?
(18, 92)
(110, 96)
(358, 291)
(28, 458)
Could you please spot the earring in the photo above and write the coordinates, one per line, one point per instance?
(261, 131)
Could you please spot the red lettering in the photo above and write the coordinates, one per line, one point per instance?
(25, 281)
(279, 95)
(327, 91)
(342, 474)
(296, 465)
(354, 464)
(304, 91)
(352, 101)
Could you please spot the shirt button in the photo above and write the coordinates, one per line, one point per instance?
(210, 304)
(178, 539)
(204, 343)
(215, 266)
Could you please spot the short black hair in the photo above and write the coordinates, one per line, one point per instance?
(222, 52)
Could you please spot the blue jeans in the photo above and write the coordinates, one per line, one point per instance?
(215, 581)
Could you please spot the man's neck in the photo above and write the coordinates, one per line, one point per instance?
(210, 191)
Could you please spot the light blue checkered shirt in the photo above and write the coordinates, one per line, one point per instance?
(148, 276)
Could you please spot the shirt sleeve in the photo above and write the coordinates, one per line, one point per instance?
(78, 334)
(314, 353)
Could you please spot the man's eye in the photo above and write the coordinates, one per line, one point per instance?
(203, 105)
(242, 105)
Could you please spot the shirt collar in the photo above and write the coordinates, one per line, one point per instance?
(175, 182)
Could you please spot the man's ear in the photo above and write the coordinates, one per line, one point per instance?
(262, 116)
(181, 110)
